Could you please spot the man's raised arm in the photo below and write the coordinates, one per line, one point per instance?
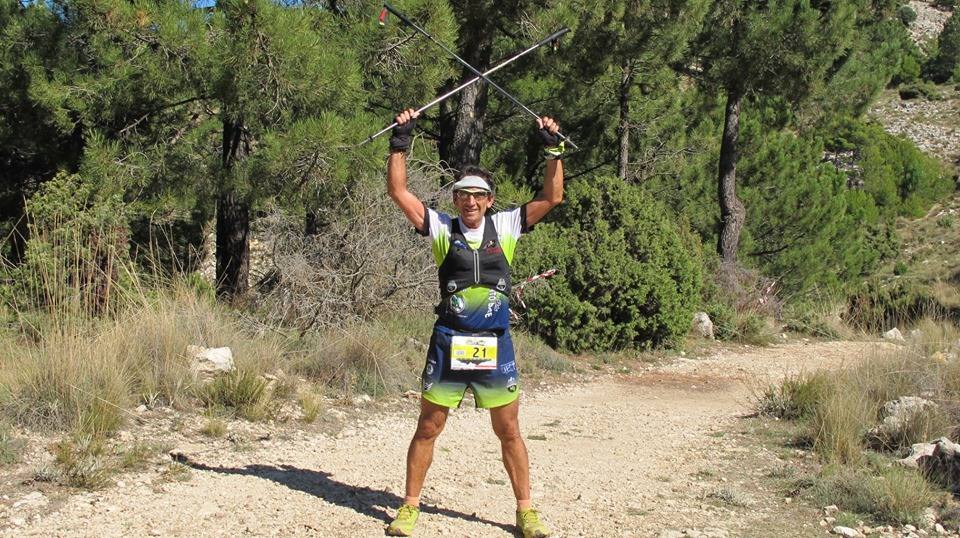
(411, 206)
(552, 192)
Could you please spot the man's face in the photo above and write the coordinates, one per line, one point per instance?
(472, 205)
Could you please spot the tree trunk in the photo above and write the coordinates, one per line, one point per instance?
(732, 212)
(233, 246)
(466, 136)
(233, 220)
(623, 128)
(17, 239)
(461, 134)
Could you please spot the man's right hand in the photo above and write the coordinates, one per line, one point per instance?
(403, 133)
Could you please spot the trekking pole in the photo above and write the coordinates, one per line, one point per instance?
(475, 71)
(550, 38)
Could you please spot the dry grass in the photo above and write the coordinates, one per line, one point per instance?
(215, 427)
(838, 425)
(840, 408)
(84, 377)
(243, 392)
(887, 494)
(82, 462)
(311, 404)
(11, 447)
(794, 397)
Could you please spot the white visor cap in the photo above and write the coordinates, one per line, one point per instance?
(472, 182)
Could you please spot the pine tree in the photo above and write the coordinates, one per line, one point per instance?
(776, 49)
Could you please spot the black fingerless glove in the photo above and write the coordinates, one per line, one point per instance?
(402, 136)
(552, 145)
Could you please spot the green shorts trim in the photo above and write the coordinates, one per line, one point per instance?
(491, 388)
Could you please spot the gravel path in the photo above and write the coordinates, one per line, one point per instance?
(649, 453)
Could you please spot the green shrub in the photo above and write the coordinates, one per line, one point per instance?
(377, 358)
(906, 14)
(817, 319)
(899, 178)
(921, 427)
(82, 462)
(625, 276)
(794, 397)
(890, 494)
(531, 351)
(900, 268)
(76, 259)
(242, 391)
(911, 68)
(945, 64)
(215, 427)
(311, 404)
(876, 306)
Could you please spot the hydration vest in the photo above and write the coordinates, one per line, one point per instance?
(464, 267)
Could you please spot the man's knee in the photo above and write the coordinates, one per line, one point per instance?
(507, 430)
(428, 428)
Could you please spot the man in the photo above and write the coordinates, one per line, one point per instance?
(470, 346)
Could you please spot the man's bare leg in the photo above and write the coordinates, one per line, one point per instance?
(506, 424)
(420, 454)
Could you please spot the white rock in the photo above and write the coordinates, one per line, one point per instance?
(702, 325)
(917, 452)
(18, 521)
(362, 399)
(846, 531)
(899, 414)
(916, 334)
(939, 528)
(929, 518)
(894, 335)
(212, 359)
(831, 509)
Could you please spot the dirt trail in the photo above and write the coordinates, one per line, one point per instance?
(632, 455)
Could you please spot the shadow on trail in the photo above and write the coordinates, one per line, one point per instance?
(364, 500)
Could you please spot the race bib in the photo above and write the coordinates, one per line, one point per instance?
(473, 353)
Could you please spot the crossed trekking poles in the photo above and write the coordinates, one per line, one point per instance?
(387, 8)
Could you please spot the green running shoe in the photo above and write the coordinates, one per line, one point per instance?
(403, 524)
(528, 521)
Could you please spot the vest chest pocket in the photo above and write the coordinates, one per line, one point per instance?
(473, 352)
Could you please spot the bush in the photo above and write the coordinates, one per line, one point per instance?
(900, 268)
(945, 64)
(906, 14)
(242, 391)
(378, 358)
(76, 258)
(876, 306)
(82, 462)
(820, 320)
(794, 397)
(890, 494)
(625, 276)
(899, 178)
(917, 89)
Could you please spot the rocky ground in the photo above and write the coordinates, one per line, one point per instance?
(663, 451)
(929, 23)
(933, 125)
